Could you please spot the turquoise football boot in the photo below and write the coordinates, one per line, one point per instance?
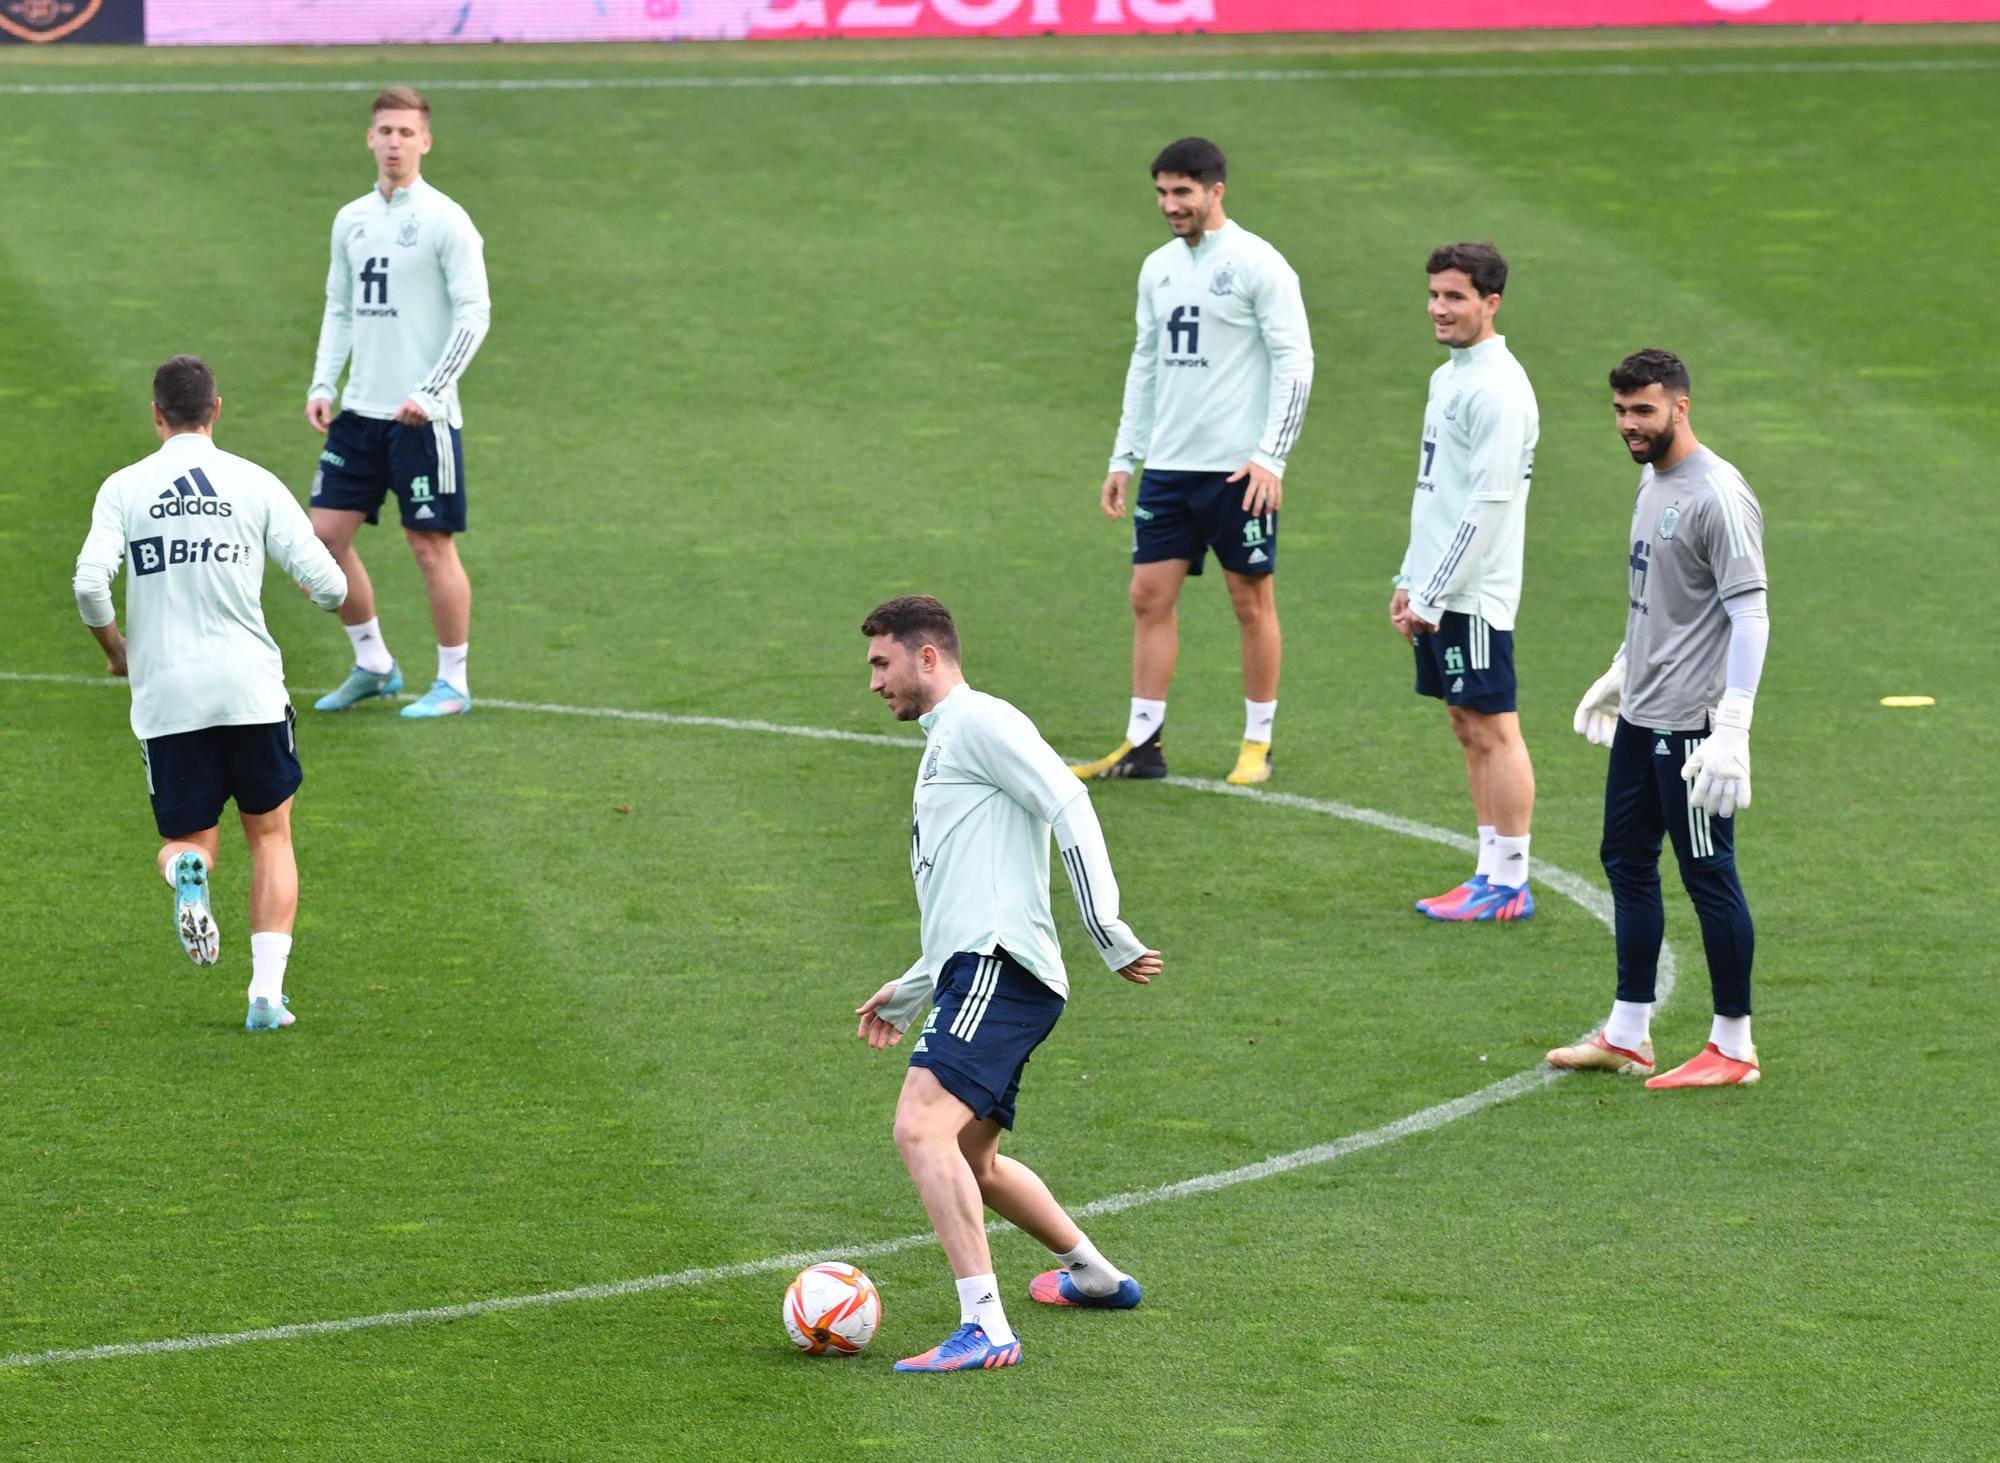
(266, 1017)
(359, 686)
(443, 699)
(192, 920)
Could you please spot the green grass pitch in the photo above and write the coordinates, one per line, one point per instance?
(574, 992)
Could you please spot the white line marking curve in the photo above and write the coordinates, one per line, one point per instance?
(1594, 901)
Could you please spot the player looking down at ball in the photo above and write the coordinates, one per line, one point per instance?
(1675, 711)
(988, 791)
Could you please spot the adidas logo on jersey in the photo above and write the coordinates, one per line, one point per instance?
(192, 496)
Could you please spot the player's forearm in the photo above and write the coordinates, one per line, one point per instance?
(1285, 419)
(336, 339)
(93, 601)
(1461, 557)
(1135, 417)
(467, 332)
(1088, 864)
(912, 990)
(1749, 639)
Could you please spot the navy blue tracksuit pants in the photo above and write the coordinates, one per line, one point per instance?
(1644, 797)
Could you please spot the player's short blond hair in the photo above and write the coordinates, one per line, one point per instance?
(402, 99)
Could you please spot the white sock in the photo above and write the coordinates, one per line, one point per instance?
(1487, 833)
(167, 865)
(1630, 1025)
(451, 667)
(1089, 1271)
(1257, 719)
(1146, 719)
(370, 653)
(1510, 861)
(1731, 1035)
(268, 954)
(979, 1302)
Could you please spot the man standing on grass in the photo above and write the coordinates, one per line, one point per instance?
(1459, 587)
(988, 791)
(1675, 711)
(406, 295)
(1215, 397)
(208, 686)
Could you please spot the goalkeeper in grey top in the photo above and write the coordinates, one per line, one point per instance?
(406, 299)
(1675, 711)
(1215, 398)
(988, 791)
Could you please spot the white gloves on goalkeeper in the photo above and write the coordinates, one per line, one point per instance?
(1597, 713)
(1719, 768)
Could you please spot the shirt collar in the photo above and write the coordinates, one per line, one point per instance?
(180, 442)
(1493, 345)
(1213, 236)
(929, 718)
(402, 197)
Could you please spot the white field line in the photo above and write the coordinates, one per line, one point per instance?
(863, 79)
(1593, 900)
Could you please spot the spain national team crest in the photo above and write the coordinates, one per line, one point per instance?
(1667, 521)
(1224, 281)
(407, 235)
(45, 20)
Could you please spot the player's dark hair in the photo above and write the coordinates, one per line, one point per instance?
(1650, 367)
(402, 99)
(184, 391)
(916, 620)
(1193, 157)
(1483, 264)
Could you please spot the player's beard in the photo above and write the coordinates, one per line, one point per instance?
(1657, 447)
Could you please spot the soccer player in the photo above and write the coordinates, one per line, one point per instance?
(1215, 397)
(406, 295)
(1675, 711)
(988, 791)
(1459, 588)
(194, 525)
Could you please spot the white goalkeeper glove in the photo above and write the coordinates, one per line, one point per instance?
(1596, 717)
(1719, 768)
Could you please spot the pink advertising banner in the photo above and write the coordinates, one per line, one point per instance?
(374, 22)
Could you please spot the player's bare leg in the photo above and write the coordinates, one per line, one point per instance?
(1501, 778)
(451, 613)
(375, 672)
(336, 527)
(274, 907)
(1155, 597)
(929, 1120)
(186, 863)
(1017, 1194)
(1254, 597)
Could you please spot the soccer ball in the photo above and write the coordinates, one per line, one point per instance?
(832, 1308)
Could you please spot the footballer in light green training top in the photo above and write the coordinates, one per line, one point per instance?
(406, 300)
(1215, 397)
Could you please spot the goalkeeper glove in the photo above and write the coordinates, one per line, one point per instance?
(1719, 768)
(1596, 717)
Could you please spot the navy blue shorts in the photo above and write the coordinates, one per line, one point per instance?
(192, 774)
(990, 1015)
(1182, 515)
(424, 466)
(1467, 663)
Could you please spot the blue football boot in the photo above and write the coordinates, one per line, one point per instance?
(1055, 1288)
(359, 686)
(965, 1350)
(443, 699)
(192, 920)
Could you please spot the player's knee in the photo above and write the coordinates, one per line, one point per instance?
(1151, 601)
(432, 549)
